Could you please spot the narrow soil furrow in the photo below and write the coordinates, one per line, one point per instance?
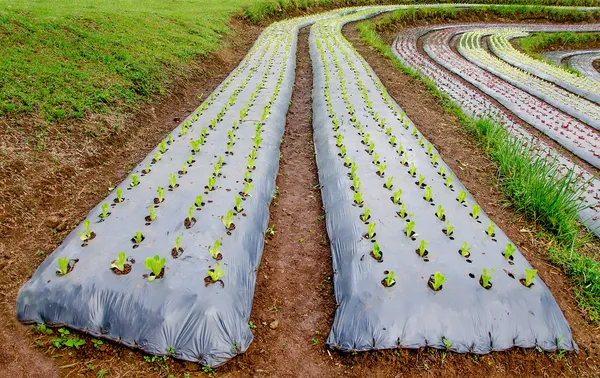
(293, 301)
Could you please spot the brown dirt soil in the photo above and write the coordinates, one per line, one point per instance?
(294, 294)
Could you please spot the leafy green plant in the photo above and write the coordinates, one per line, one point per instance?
(509, 251)
(388, 131)
(247, 188)
(162, 146)
(376, 158)
(157, 156)
(443, 172)
(428, 194)
(190, 216)
(63, 265)
(402, 211)
(465, 249)
(178, 242)
(190, 160)
(358, 198)
(449, 228)
(389, 279)
(434, 159)
(491, 230)
(135, 181)
(449, 180)
(138, 237)
(366, 214)
(119, 193)
(421, 180)
(155, 264)
(211, 183)
(412, 170)
(216, 171)
(355, 183)
(396, 196)
(183, 169)
(152, 215)
(486, 278)
(393, 140)
(377, 251)
(105, 213)
(343, 151)
(172, 181)
(215, 250)
(371, 230)
(423, 247)
(86, 233)
(238, 204)
(227, 220)
(440, 213)
(476, 210)
(199, 201)
(410, 226)
(529, 276)
(119, 263)
(146, 169)
(462, 196)
(388, 184)
(447, 343)
(161, 194)
(371, 147)
(247, 177)
(216, 274)
(437, 281)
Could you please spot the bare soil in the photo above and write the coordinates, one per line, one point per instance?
(294, 302)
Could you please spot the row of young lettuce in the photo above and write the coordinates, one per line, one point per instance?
(168, 262)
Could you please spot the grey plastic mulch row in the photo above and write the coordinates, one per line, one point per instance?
(416, 261)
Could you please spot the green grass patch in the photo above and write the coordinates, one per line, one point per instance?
(533, 185)
(541, 42)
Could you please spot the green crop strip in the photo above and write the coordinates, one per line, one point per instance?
(529, 182)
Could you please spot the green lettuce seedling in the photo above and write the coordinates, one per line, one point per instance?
(393, 140)
(371, 230)
(170, 139)
(63, 265)
(428, 194)
(377, 251)
(250, 163)
(421, 141)
(449, 180)
(86, 233)
(195, 145)
(247, 177)
(447, 343)
(105, 212)
(529, 276)
(157, 156)
(119, 193)
(476, 209)
(215, 250)
(389, 279)
(120, 262)
(216, 171)
(183, 169)
(178, 242)
(449, 228)
(438, 281)
(421, 179)
(238, 204)
(162, 146)
(440, 212)
(135, 181)
(396, 197)
(443, 172)
(434, 159)
(381, 169)
(403, 212)
(414, 132)
(161, 194)
(422, 247)
(227, 219)
(462, 195)
(412, 170)
(156, 265)
(190, 159)
(247, 188)
(400, 149)
(465, 250)
(147, 169)
(366, 138)
(211, 183)
(339, 141)
(138, 237)
(343, 151)
(152, 215)
(491, 230)
(510, 249)
(355, 183)
(213, 124)
(376, 158)
(410, 226)
(429, 149)
(371, 147)
(388, 184)
(190, 216)
(486, 277)
(172, 181)
(353, 169)
(366, 214)
(388, 131)
(358, 198)
(216, 274)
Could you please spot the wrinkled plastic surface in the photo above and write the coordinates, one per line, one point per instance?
(584, 64)
(410, 314)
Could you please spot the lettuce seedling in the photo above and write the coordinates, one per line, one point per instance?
(388, 131)
(440, 212)
(157, 156)
(183, 169)
(371, 230)
(388, 184)
(199, 201)
(105, 212)
(371, 147)
(250, 163)
(216, 171)
(161, 194)
(190, 216)
(422, 247)
(465, 249)
(403, 212)
(429, 149)
(190, 159)
(339, 141)
(376, 158)
(211, 183)
(508, 252)
(400, 149)
(170, 139)
(227, 219)
(195, 145)
(216, 274)
(389, 279)
(381, 169)
(353, 169)
(213, 124)
(491, 230)
(63, 265)
(476, 210)
(396, 197)
(172, 181)
(449, 228)
(358, 198)
(414, 132)
(421, 179)
(412, 170)
(152, 215)
(404, 160)
(146, 169)
(134, 181)
(449, 180)
(486, 278)
(138, 237)
(393, 140)
(215, 250)
(447, 343)
(434, 159)
(428, 194)
(247, 188)
(178, 242)
(86, 233)
(366, 139)
(343, 151)
(238, 204)
(410, 226)
(438, 281)
(442, 171)
(462, 196)
(120, 262)
(421, 141)
(119, 192)
(156, 265)
(529, 276)
(377, 251)
(355, 183)
(366, 214)
(162, 146)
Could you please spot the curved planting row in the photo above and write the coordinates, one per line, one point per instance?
(416, 261)
(499, 44)
(540, 115)
(580, 60)
(580, 108)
